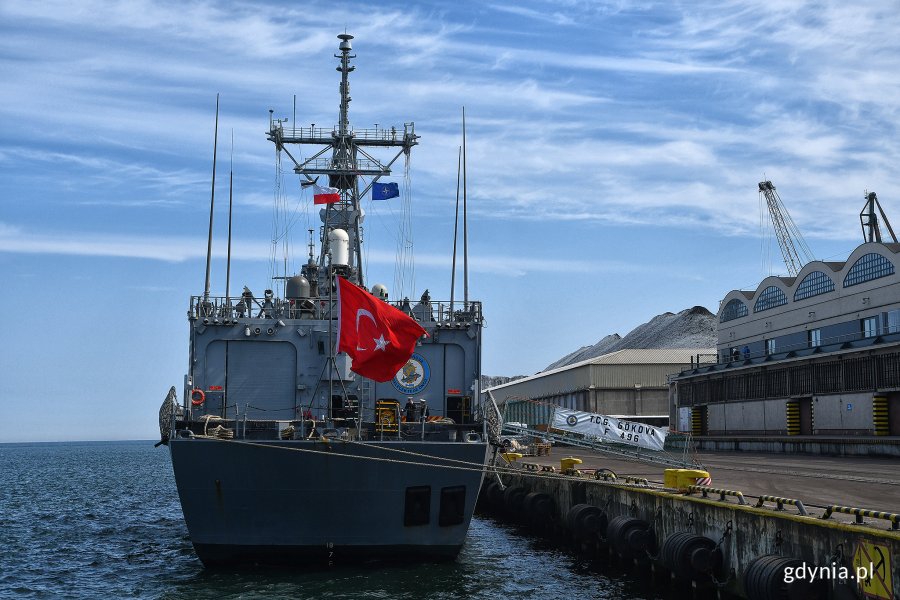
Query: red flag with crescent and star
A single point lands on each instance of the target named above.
(378, 337)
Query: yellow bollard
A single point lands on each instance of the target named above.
(568, 463)
(681, 479)
(670, 478)
(511, 456)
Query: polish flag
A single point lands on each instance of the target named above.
(326, 195)
(378, 337)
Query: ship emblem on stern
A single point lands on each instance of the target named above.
(414, 376)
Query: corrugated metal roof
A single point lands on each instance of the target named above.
(657, 356)
(630, 356)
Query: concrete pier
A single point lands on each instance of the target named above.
(872, 483)
(716, 544)
(814, 445)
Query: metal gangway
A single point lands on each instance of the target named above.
(682, 460)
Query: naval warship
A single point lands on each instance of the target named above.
(283, 453)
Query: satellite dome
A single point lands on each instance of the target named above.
(380, 291)
(297, 287)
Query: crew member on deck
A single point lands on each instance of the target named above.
(410, 411)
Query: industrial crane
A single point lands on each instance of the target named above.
(869, 220)
(789, 238)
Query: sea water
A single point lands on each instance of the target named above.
(102, 520)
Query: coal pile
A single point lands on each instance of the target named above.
(691, 328)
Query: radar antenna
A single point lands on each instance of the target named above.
(346, 158)
(868, 219)
(790, 240)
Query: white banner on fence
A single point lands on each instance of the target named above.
(609, 429)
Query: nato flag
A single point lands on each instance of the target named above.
(383, 191)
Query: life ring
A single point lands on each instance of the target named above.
(197, 397)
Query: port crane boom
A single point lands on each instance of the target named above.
(789, 237)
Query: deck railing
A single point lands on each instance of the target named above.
(221, 310)
(386, 136)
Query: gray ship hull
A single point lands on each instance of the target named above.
(309, 503)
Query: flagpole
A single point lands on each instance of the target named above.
(333, 368)
(330, 365)
(228, 314)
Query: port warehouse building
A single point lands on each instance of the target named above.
(815, 354)
(630, 383)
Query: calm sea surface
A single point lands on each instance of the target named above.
(102, 520)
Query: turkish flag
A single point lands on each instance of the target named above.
(378, 337)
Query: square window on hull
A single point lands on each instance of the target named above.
(417, 510)
(453, 506)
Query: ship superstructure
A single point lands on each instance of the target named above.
(281, 453)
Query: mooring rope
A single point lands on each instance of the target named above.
(467, 466)
(470, 467)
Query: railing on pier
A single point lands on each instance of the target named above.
(742, 356)
(703, 359)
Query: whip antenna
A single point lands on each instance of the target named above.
(230, 204)
(465, 221)
(212, 203)
(455, 232)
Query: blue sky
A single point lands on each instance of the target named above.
(614, 150)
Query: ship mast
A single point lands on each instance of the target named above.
(349, 159)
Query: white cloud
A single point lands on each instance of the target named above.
(16, 240)
(527, 92)
(674, 117)
(556, 18)
(110, 171)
